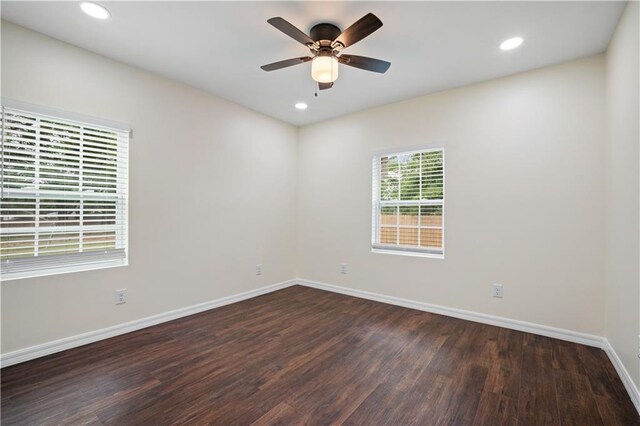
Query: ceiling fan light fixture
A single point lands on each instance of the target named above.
(324, 69)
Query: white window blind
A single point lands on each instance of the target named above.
(63, 204)
(408, 202)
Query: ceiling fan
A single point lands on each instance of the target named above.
(326, 42)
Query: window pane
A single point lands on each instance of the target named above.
(388, 235)
(432, 175)
(99, 212)
(431, 237)
(389, 215)
(408, 236)
(16, 246)
(17, 212)
(431, 216)
(93, 241)
(19, 152)
(57, 212)
(59, 154)
(389, 178)
(409, 172)
(52, 242)
(409, 215)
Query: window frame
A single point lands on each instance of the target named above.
(62, 263)
(377, 205)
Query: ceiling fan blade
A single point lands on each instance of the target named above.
(359, 30)
(324, 86)
(365, 63)
(290, 30)
(286, 63)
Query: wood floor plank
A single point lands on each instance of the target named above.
(505, 367)
(496, 409)
(566, 356)
(281, 414)
(305, 356)
(575, 399)
(499, 401)
(537, 396)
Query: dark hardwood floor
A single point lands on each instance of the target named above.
(301, 355)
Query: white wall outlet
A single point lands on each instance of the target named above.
(121, 296)
(496, 290)
(259, 269)
(343, 268)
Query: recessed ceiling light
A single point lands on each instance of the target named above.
(511, 43)
(94, 10)
(301, 106)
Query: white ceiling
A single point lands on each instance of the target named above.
(219, 46)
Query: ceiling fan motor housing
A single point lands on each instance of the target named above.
(324, 31)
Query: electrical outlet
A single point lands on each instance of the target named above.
(497, 291)
(638, 345)
(343, 268)
(121, 296)
(259, 269)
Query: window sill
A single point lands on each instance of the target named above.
(63, 270)
(407, 253)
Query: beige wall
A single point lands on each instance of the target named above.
(622, 188)
(212, 193)
(524, 197)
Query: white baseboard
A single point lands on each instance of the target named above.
(543, 330)
(37, 351)
(628, 382)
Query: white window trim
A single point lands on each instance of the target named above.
(375, 190)
(89, 121)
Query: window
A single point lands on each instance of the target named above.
(63, 200)
(408, 203)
